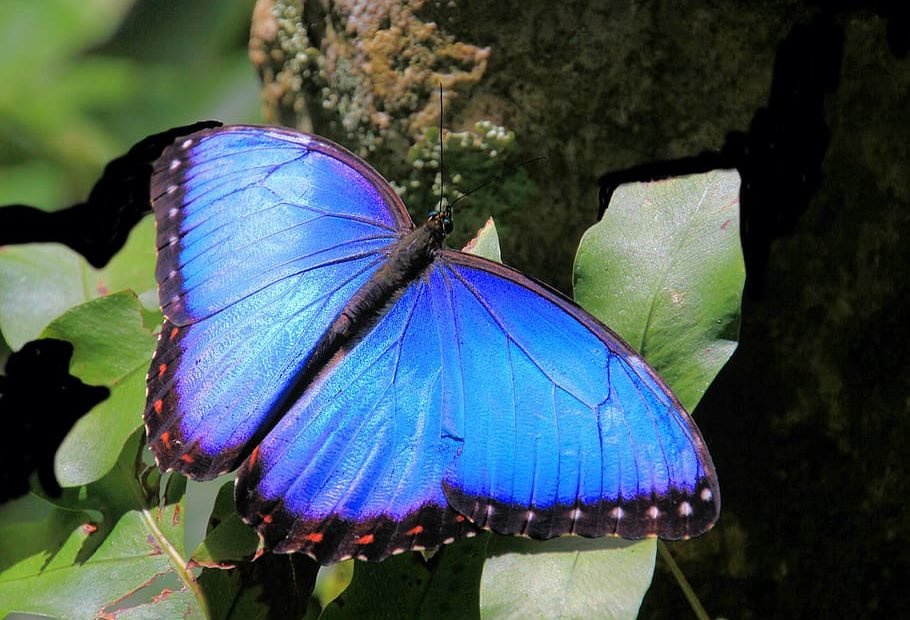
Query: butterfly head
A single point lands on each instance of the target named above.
(441, 221)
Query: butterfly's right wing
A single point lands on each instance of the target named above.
(263, 236)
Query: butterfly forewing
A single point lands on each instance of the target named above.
(355, 467)
(263, 237)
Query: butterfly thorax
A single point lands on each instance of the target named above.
(407, 259)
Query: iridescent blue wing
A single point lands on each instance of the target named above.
(563, 427)
(485, 395)
(355, 468)
(263, 236)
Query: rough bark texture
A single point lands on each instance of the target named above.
(809, 423)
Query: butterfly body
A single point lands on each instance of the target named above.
(378, 391)
(405, 261)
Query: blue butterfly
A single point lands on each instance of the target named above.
(378, 391)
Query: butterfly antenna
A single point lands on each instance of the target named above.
(442, 168)
(497, 178)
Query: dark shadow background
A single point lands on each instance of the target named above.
(808, 424)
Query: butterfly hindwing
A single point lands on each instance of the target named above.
(355, 467)
(565, 428)
(263, 236)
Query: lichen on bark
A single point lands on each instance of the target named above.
(365, 73)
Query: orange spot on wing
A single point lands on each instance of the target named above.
(315, 537)
(266, 519)
(174, 332)
(186, 457)
(366, 539)
(459, 518)
(414, 531)
(158, 406)
(254, 455)
(166, 439)
(162, 369)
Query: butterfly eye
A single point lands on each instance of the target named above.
(447, 224)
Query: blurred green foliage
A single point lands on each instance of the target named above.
(83, 80)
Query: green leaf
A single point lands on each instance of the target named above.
(40, 282)
(408, 586)
(131, 268)
(565, 578)
(332, 581)
(33, 531)
(664, 269)
(108, 339)
(229, 542)
(485, 243)
(62, 561)
(274, 586)
(111, 348)
(229, 539)
(48, 283)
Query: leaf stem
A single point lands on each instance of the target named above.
(181, 567)
(690, 595)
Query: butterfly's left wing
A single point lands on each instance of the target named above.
(264, 235)
(480, 397)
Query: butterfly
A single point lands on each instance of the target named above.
(378, 391)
